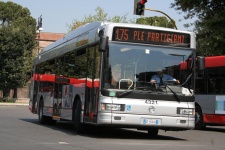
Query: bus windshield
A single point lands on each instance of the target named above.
(131, 66)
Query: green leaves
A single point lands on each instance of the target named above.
(156, 21)
(209, 25)
(17, 41)
(99, 16)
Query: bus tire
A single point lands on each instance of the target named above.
(198, 118)
(77, 116)
(41, 118)
(153, 132)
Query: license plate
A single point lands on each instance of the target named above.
(151, 121)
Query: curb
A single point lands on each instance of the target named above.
(19, 102)
(14, 104)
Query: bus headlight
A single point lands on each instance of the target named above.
(186, 111)
(114, 107)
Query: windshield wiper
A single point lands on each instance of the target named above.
(174, 93)
(124, 94)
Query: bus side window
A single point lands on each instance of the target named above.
(200, 86)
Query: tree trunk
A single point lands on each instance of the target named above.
(15, 93)
(6, 92)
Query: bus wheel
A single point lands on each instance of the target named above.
(198, 119)
(77, 116)
(153, 132)
(41, 118)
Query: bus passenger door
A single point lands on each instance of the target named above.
(57, 99)
(59, 81)
(35, 93)
(92, 88)
(34, 88)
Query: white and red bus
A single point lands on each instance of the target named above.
(210, 93)
(99, 74)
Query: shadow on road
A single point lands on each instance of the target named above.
(103, 132)
(220, 129)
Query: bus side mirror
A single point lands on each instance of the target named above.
(103, 43)
(201, 62)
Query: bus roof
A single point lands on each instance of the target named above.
(90, 26)
(72, 35)
(88, 34)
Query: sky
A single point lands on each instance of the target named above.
(58, 14)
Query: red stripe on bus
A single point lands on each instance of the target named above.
(215, 118)
(77, 81)
(44, 77)
(215, 61)
(88, 82)
(52, 78)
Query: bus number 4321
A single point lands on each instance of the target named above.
(147, 101)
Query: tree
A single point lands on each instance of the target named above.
(156, 21)
(17, 40)
(209, 25)
(102, 16)
(99, 16)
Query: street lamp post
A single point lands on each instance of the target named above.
(174, 24)
(39, 29)
(38, 41)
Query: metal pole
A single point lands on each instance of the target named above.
(174, 24)
(38, 41)
(39, 29)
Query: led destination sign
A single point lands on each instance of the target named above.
(149, 36)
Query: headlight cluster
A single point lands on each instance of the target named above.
(114, 107)
(186, 111)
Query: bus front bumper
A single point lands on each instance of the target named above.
(132, 120)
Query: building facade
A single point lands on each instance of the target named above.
(46, 38)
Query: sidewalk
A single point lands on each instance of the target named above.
(19, 102)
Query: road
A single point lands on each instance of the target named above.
(19, 129)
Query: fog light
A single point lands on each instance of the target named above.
(113, 107)
(185, 111)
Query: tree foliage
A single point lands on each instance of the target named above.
(17, 40)
(156, 21)
(102, 16)
(99, 16)
(209, 25)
